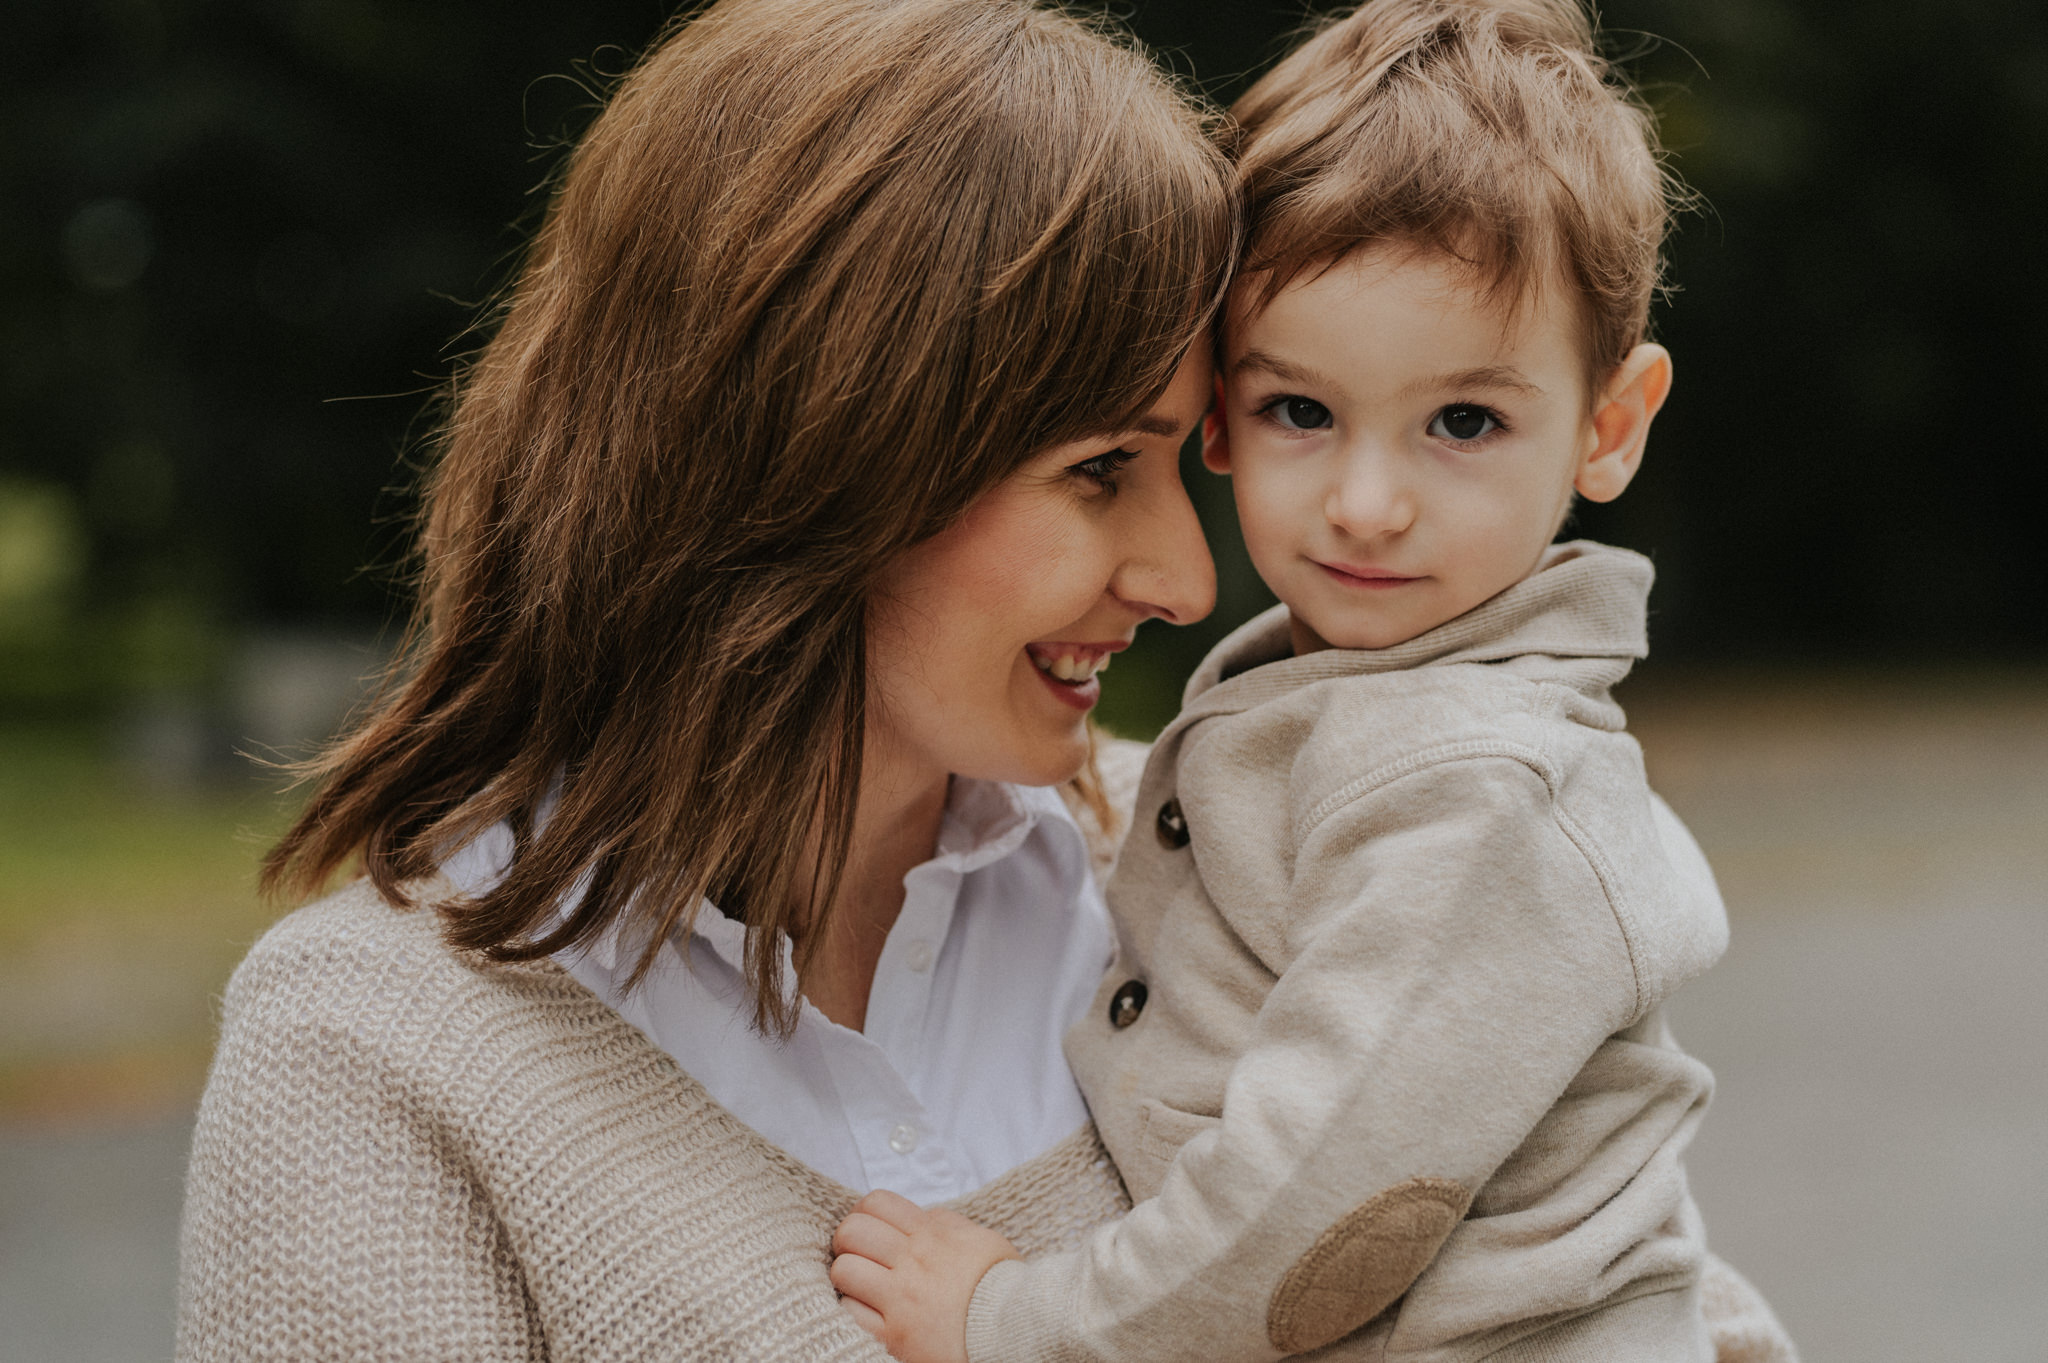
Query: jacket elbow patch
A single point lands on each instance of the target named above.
(1360, 1266)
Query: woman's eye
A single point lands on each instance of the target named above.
(1463, 421)
(1300, 414)
(1104, 467)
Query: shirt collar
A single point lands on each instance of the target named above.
(983, 822)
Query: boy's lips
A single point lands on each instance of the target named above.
(1365, 575)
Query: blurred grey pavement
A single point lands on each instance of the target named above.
(88, 1241)
(1874, 1158)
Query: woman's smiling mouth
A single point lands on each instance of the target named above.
(1070, 669)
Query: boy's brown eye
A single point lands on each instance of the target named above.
(1301, 414)
(1463, 422)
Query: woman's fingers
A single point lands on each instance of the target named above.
(892, 1208)
(871, 1238)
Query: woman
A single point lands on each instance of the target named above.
(826, 448)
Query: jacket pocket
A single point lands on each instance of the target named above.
(1162, 1132)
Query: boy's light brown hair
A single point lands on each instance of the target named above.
(1491, 131)
(821, 274)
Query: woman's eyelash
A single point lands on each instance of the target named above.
(1104, 467)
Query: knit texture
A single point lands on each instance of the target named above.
(405, 1154)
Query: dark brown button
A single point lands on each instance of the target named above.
(1127, 1003)
(1172, 826)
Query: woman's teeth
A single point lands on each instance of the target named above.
(1070, 667)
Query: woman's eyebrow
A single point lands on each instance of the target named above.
(1154, 424)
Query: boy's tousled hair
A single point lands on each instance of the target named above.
(821, 273)
(1490, 131)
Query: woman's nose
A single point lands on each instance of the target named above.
(1166, 569)
(1369, 499)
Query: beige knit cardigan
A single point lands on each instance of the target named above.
(404, 1153)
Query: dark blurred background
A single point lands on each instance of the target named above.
(241, 244)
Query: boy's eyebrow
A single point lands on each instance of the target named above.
(1495, 376)
(1284, 370)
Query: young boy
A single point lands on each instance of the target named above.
(1383, 1059)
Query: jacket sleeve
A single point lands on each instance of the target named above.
(1450, 962)
(1744, 1327)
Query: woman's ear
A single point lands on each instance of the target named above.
(1620, 425)
(1215, 432)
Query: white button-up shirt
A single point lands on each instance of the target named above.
(958, 1074)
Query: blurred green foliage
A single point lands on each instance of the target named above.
(61, 655)
(242, 239)
(80, 835)
(123, 907)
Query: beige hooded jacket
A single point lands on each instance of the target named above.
(1383, 1042)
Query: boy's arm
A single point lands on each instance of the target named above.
(1452, 963)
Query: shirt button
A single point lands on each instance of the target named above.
(903, 1138)
(1127, 1003)
(920, 956)
(1172, 826)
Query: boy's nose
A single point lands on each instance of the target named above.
(1369, 499)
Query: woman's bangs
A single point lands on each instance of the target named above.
(1129, 271)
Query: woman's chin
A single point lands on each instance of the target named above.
(1048, 757)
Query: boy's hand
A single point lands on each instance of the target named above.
(908, 1273)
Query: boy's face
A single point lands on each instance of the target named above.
(1400, 452)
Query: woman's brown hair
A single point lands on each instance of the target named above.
(821, 273)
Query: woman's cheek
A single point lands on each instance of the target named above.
(1049, 571)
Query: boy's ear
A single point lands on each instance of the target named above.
(1628, 402)
(1215, 432)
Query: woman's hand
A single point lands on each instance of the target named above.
(907, 1273)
